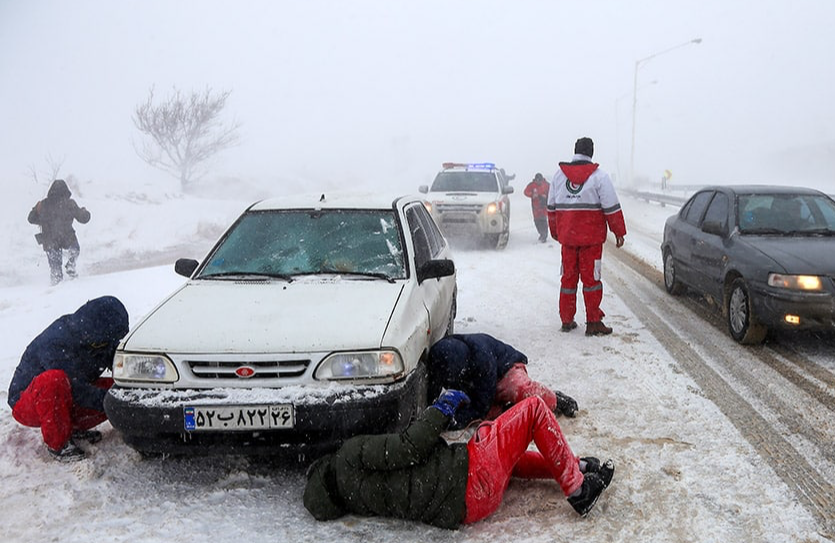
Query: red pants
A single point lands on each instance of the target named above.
(581, 263)
(47, 403)
(499, 450)
(515, 386)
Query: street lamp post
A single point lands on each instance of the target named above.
(618, 100)
(638, 64)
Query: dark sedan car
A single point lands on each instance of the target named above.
(766, 254)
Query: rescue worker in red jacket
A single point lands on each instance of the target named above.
(537, 191)
(582, 207)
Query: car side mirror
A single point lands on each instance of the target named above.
(507, 189)
(185, 266)
(713, 227)
(435, 269)
(423, 188)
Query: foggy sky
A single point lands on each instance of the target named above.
(345, 93)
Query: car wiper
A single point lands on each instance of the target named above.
(377, 275)
(244, 276)
(818, 232)
(760, 231)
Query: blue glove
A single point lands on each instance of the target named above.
(449, 401)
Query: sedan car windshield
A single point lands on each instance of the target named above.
(786, 214)
(301, 242)
(465, 182)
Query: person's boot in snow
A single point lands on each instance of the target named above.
(597, 329)
(568, 326)
(69, 453)
(590, 464)
(90, 436)
(566, 404)
(593, 486)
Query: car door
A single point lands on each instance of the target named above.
(429, 244)
(710, 247)
(685, 233)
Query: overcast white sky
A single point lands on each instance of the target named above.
(360, 92)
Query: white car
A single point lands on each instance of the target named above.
(471, 200)
(308, 322)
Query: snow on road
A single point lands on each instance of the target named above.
(684, 471)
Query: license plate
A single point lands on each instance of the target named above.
(243, 417)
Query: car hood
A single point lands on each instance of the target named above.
(242, 317)
(800, 254)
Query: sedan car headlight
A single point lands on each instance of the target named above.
(492, 208)
(795, 282)
(143, 367)
(386, 365)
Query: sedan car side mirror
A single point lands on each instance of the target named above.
(435, 269)
(423, 188)
(713, 227)
(185, 266)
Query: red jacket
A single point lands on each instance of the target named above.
(537, 191)
(583, 205)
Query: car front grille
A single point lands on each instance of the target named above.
(458, 208)
(271, 369)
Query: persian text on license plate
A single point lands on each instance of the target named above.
(243, 417)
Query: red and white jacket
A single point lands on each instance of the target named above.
(582, 203)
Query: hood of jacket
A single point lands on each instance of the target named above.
(579, 170)
(101, 320)
(58, 190)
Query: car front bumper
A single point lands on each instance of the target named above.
(816, 310)
(152, 420)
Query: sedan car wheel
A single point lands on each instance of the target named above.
(741, 319)
(672, 285)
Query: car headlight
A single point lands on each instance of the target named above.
(492, 208)
(143, 367)
(386, 365)
(795, 282)
(428, 206)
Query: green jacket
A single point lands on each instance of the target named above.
(412, 475)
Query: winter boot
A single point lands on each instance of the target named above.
(69, 453)
(566, 404)
(597, 329)
(583, 501)
(605, 471)
(90, 436)
(568, 326)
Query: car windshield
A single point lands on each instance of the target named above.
(801, 214)
(287, 243)
(465, 182)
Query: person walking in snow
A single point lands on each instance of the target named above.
(492, 373)
(537, 190)
(582, 207)
(58, 385)
(417, 475)
(55, 215)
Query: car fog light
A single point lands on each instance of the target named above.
(792, 319)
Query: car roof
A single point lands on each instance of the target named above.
(763, 189)
(335, 200)
(486, 167)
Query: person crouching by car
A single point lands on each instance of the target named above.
(58, 387)
(492, 373)
(417, 475)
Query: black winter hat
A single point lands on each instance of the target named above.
(584, 146)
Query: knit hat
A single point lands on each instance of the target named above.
(584, 146)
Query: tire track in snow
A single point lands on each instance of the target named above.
(811, 488)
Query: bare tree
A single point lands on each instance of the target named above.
(183, 132)
(53, 168)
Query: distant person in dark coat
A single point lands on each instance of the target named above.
(492, 373)
(537, 190)
(58, 385)
(417, 475)
(55, 215)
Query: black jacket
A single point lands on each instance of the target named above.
(413, 475)
(55, 214)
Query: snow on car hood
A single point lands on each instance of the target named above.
(799, 254)
(256, 317)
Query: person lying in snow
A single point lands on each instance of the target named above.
(491, 372)
(58, 385)
(416, 475)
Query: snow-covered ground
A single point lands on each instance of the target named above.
(684, 473)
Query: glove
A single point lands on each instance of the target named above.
(449, 401)
(566, 404)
